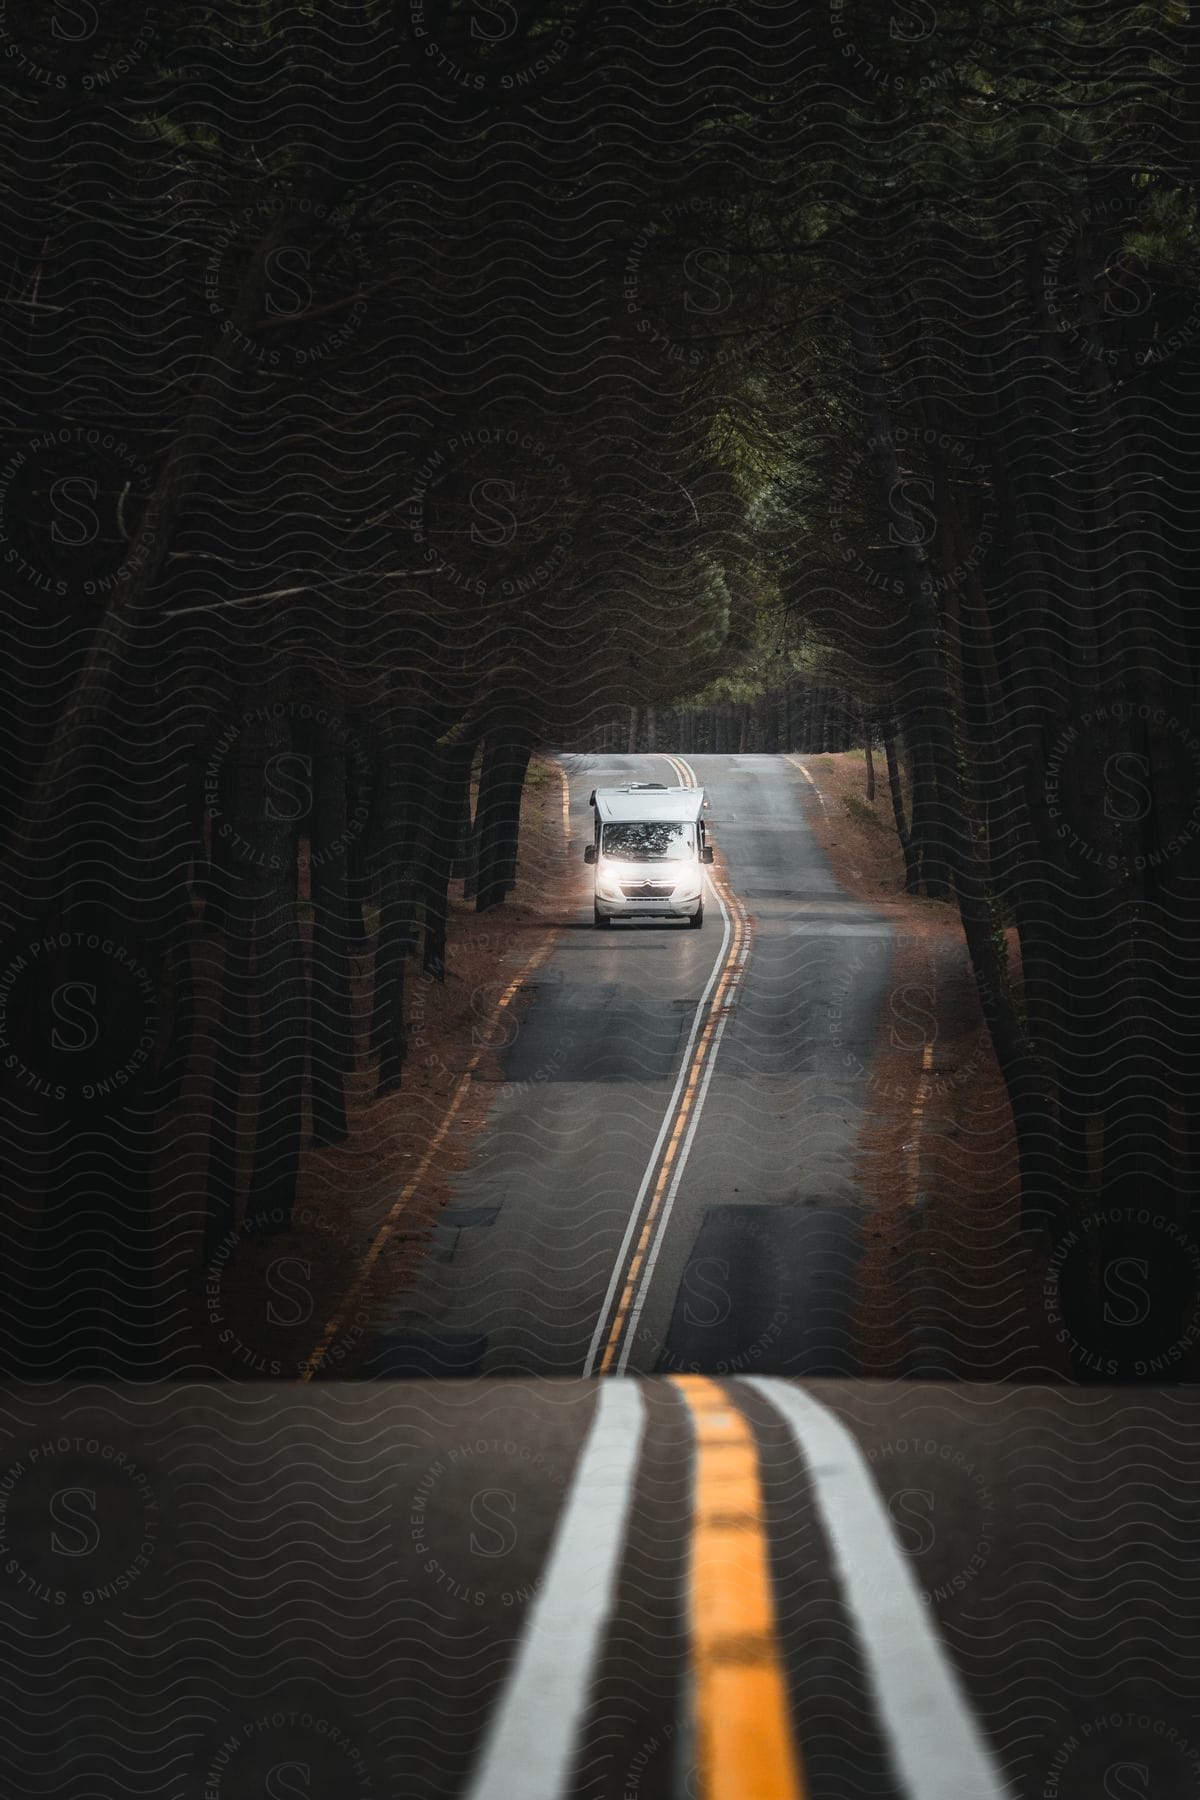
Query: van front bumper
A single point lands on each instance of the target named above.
(639, 908)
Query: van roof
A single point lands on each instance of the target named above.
(616, 805)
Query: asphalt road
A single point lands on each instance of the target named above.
(784, 1581)
(754, 1248)
(524, 1590)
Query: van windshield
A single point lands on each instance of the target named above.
(648, 840)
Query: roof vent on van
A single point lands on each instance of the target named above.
(640, 787)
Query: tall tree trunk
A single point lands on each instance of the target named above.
(280, 1048)
(242, 802)
(394, 938)
(912, 871)
(448, 859)
(951, 836)
(333, 827)
(498, 816)
(868, 733)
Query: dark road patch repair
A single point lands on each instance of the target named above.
(456, 1217)
(423, 1356)
(767, 1290)
(602, 1036)
(445, 1234)
(419, 1355)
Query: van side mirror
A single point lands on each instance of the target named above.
(706, 854)
(589, 854)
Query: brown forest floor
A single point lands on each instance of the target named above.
(261, 1306)
(945, 1285)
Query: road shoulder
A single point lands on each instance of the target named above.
(937, 1161)
(265, 1309)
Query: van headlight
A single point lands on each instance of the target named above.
(609, 888)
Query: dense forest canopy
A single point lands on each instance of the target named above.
(393, 390)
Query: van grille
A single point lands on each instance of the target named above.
(647, 890)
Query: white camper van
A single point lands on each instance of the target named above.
(649, 852)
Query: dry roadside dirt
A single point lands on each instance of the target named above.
(946, 1286)
(261, 1306)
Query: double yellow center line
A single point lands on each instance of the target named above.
(745, 1748)
(615, 1332)
(688, 1105)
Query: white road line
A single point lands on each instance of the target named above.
(660, 1232)
(937, 1749)
(595, 1348)
(668, 1205)
(531, 1738)
(797, 764)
